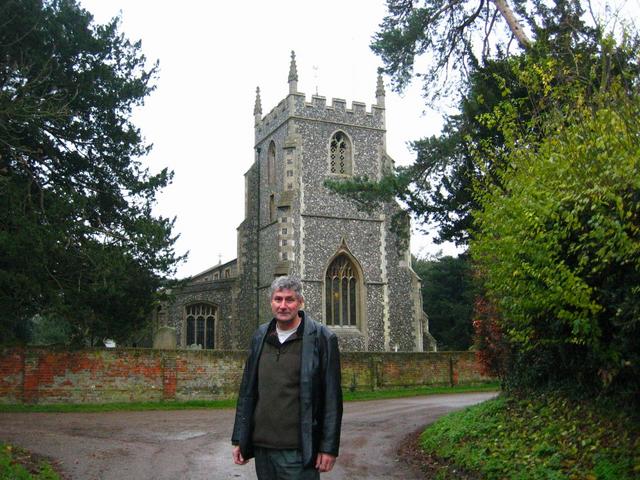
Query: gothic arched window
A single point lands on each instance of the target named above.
(200, 325)
(340, 154)
(341, 293)
(271, 163)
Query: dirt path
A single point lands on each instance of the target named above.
(194, 444)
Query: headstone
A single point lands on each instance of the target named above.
(165, 338)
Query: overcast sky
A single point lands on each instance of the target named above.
(200, 119)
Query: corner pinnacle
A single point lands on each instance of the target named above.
(380, 91)
(293, 74)
(257, 108)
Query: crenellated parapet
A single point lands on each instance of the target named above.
(297, 106)
(339, 112)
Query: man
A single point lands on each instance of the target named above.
(289, 409)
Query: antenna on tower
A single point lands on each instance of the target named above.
(315, 77)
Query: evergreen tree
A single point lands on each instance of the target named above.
(538, 171)
(77, 234)
(438, 188)
(447, 297)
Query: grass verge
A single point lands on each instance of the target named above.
(171, 405)
(117, 407)
(416, 392)
(547, 437)
(19, 464)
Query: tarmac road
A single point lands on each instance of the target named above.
(195, 445)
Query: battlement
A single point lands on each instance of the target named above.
(295, 105)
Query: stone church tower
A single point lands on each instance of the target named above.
(357, 277)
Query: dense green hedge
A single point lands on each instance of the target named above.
(558, 247)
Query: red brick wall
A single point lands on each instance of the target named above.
(11, 377)
(208, 375)
(368, 370)
(42, 375)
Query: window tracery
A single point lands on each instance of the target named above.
(341, 293)
(201, 325)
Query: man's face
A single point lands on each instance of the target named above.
(285, 305)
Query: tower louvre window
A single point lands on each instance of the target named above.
(271, 163)
(201, 325)
(341, 293)
(272, 207)
(340, 154)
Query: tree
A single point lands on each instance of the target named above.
(559, 247)
(77, 233)
(450, 32)
(438, 188)
(448, 296)
(48, 330)
(460, 36)
(539, 171)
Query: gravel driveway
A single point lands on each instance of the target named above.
(194, 444)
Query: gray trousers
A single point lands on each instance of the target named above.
(275, 464)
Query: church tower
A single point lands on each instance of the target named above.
(356, 274)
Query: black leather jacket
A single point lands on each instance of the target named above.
(320, 392)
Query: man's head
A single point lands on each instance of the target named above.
(286, 299)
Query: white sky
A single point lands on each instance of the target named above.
(200, 118)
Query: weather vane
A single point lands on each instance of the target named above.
(315, 77)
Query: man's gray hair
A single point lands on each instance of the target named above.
(287, 283)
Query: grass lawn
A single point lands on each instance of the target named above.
(546, 437)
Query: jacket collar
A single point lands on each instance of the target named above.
(303, 328)
(309, 325)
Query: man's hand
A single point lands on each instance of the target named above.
(238, 459)
(325, 462)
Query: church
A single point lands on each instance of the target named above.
(356, 271)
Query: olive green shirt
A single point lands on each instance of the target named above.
(277, 414)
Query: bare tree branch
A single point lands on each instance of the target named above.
(513, 23)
